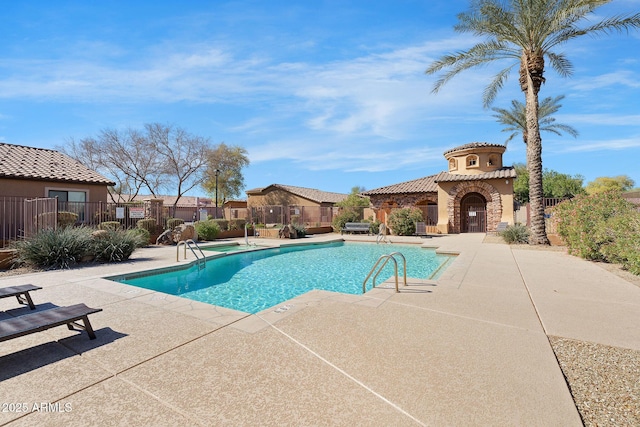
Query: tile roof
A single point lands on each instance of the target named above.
(420, 185)
(17, 161)
(429, 184)
(506, 172)
(312, 194)
(474, 145)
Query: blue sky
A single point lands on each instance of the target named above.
(322, 94)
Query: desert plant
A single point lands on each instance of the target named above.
(300, 230)
(56, 249)
(148, 224)
(207, 230)
(347, 215)
(237, 224)
(517, 233)
(403, 221)
(116, 247)
(66, 219)
(223, 224)
(109, 225)
(144, 237)
(582, 222)
(174, 222)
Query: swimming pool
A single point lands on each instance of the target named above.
(256, 280)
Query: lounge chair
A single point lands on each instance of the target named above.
(21, 293)
(43, 320)
(421, 229)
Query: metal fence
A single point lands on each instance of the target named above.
(308, 216)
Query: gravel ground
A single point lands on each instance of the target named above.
(604, 381)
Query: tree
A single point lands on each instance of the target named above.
(354, 199)
(603, 184)
(554, 184)
(525, 32)
(156, 158)
(124, 156)
(183, 156)
(228, 161)
(515, 119)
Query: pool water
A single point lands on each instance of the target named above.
(256, 280)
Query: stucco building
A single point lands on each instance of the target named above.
(475, 194)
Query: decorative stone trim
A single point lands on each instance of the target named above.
(488, 191)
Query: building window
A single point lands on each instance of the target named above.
(472, 161)
(71, 201)
(453, 165)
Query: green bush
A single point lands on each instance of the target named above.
(515, 234)
(109, 225)
(223, 224)
(300, 230)
(207, 230)
(174, 222)
(347, 215)
(66, 219)
(237, 224)
(601, 227)
(148, 224)
(403, 221)
(56, 249)
(143, 236)
(374, 227)
(623, 246)
(116, 247)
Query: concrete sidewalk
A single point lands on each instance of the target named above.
(468, 349)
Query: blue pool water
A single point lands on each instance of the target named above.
(256, 280)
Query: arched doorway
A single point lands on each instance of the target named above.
(473, 213)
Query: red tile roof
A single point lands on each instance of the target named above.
(429, 184)
(20, 162)
(312, 194)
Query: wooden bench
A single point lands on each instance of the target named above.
(21, 292)
(47, 319)
(356, 227)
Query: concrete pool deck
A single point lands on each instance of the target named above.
(468, 349)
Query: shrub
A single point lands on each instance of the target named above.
(581, 222)
(237, 224)
(403, 221)
(148, 224)
(116, 247)
(207, 230)
(174, 222)
(374, 227)
(300, 230)
(144, 237)
(55, 249)
(601, 227)
(223, 224)
(517, 233)
(347, 215)
(624, 242)
(109, 225)
(66, 219)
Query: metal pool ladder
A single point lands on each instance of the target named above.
(377, 268)
(190, 243)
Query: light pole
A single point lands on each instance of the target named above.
(217, 173)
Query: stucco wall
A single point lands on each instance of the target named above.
(498, 194)
(32, 189)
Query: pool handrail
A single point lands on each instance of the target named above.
(386, 259)
(187, 243)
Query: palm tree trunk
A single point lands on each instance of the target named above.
(534, 164)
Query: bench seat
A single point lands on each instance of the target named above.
(357, 227)
(47, 319)
(21, 292)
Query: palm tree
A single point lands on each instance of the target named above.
(515, 119)
(526, 32)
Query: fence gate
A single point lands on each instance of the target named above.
(40, 214)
